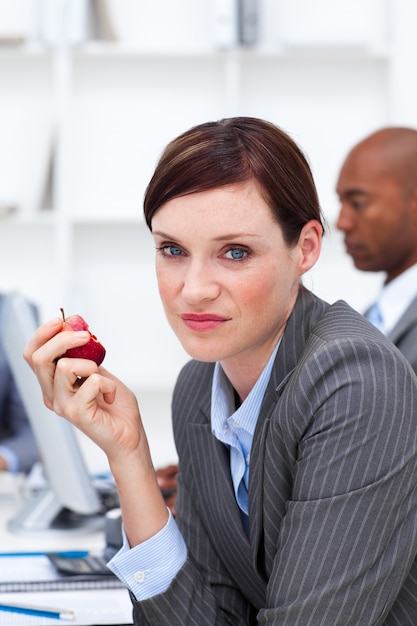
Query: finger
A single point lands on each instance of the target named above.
(43, 349)
(80, 378)
(56, 346)
(40, 337)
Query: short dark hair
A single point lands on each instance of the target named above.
(236, 150)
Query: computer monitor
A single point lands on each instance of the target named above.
(70, 500)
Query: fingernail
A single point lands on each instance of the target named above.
(81, 333)
(55, 322)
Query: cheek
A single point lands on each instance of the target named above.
(261, 291)
(166, 284)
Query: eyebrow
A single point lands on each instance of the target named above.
(225, 237)
(350, 193)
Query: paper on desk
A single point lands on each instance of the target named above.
(101, 606)
(26, 568)
(22, 573)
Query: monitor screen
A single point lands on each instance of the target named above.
(70, 500)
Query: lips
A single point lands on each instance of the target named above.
(203, 321)
(352, 248)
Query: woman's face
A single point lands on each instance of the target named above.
(227, 280)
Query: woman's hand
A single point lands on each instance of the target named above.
(102, 407)
(87, 395)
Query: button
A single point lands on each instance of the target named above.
(139, 577)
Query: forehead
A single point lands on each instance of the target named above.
(363, 171)
(239, 204)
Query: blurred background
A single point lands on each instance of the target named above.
(92, 90)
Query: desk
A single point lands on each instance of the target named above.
(43, 542)
(40, 542)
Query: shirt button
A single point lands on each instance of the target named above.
(139, 577)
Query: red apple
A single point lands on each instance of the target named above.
(92, 350)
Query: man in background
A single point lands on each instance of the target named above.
(18, 450)
(377, 187)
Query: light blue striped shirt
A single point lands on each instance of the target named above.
(149, 568)
(235, 427)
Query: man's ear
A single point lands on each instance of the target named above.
(309, 244)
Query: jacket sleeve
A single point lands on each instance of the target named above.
(202, 592)
(347, 540)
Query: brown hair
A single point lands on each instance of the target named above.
(236, 150)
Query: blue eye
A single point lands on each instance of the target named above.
(236, 253)
(171, 250)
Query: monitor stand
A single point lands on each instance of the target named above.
(43, 513)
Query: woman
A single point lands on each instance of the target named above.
(294, 421)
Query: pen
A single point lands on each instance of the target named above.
(66, 553)
(40, 611)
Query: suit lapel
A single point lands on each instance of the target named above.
(288, 356)
(216, 499)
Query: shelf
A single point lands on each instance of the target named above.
(109, 221)
(44, 218)
(8, 51)
(104, 50)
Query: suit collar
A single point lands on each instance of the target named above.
(406, 321)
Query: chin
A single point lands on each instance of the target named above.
(204, 353)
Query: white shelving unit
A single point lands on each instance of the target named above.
(109, 108)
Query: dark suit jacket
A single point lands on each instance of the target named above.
(404, 334)
(15, 430)
(332, 488)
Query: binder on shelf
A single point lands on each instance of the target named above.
(102, 22)
(40, 175)
(248, 21)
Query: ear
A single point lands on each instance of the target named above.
(309, 244)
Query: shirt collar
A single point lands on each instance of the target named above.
(223, 401)
(396, 297)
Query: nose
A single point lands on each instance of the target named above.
(344, 220)
(200, 283)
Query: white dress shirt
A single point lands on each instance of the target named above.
(395, 298)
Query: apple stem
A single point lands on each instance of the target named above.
(62, 313)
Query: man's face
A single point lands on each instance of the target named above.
(378, 217)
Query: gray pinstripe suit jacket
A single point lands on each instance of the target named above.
(332, 490)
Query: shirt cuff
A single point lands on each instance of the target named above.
(150, 567)
(11, 459)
